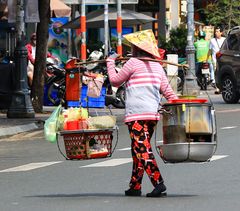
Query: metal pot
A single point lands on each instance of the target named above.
(189, 132)
(196, 118)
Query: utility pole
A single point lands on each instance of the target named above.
(106, 30)
(21, 105)
(162, 19)
(119, 27)
(190, 85)
(83, 31)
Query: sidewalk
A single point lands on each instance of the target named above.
(11, 126)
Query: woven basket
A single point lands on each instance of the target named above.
(77, 143)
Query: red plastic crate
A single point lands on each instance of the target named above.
(89, 102)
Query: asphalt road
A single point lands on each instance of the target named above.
(44, 180)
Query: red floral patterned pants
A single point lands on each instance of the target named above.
(143, 159)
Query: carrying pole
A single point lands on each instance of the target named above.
(127, 58)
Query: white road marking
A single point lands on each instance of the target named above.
(217, 157)
(120, 161)
(213, 158)
(124, 149)
(227, 128)
(228, 110)
(112, 162)
(30, 166)
(107, 163)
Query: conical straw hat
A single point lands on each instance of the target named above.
(144, 40)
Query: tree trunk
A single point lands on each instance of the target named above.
(37, 92)
(230, 15)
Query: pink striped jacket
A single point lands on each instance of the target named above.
(144, 82)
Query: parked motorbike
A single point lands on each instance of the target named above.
(204, 75)
(181, 74)
(55, 83)
(114, 95)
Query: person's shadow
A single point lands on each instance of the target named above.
(104, 195)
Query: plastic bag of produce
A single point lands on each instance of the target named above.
(51, 125)
(77, 113)
(100, 122)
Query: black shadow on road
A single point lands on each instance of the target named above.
(61, 195)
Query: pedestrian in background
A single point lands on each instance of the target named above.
(31, 49)
(145, 80)
(202, 49)
(214, 47)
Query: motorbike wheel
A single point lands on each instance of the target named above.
(180, 79)
(121, 94)
(118, 104)
(204, 83)
(55, 94)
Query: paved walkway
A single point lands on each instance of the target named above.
(12, 126)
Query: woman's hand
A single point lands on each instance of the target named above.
(113, 56)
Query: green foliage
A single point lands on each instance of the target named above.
(223, 13)
(177, 42)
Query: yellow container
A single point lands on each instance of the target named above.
(188, 97)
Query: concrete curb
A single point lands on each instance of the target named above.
(13, 130)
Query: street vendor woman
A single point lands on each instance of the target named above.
(145, 80)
